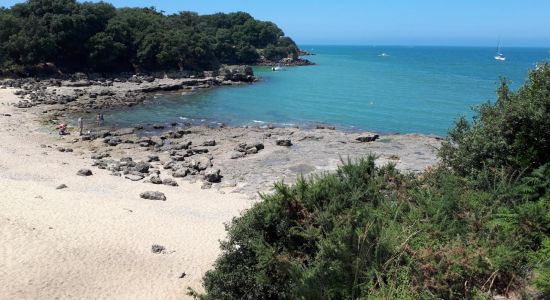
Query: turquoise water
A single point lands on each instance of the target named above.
(413, 89)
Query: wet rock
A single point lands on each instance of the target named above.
(84, 172)
(326, 127)
(170, 182)
(212, 175)
(151, 195)
(367, 139)
(284, 142)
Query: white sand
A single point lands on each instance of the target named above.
(93, 239)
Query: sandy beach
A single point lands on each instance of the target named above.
(93, 239)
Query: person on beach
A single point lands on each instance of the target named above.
(80, 124)
(61, 127)
(100, 119)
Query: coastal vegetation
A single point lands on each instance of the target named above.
(70, 36)
(476, 225)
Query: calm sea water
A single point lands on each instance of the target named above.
(411, 90)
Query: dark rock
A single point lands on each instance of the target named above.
(155, 180)
(100, 155)
(61, 186)
(142, 167)
(150, 195)
(151, 158)
(159, 126)
(325, 127)
(84, 172)
(366, 139)
(170, 182)
(284, 142)
(60, 149)
(158, 249)
(213, 175)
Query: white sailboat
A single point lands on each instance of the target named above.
(499, 56)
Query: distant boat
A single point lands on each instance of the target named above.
(499, 56)
(383, 55)
(277, 68)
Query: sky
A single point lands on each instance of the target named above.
(385, 22)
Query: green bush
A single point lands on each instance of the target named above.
(475, 226)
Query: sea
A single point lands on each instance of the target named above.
(385, 89)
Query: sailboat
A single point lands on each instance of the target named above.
(499, 56)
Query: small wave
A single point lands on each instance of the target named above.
(183, 118)
(257, 121)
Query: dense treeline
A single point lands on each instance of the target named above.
(73, 36)
(475, 226)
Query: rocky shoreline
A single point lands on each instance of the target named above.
(88, 93)
(247, 160)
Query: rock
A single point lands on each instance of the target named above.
(325, 127)
(236, 154)
(155, 180)
(142, 167)
(284, 142)
(180, 173)
(158, 126)
(60, 149)
(206, 185)
(366, 139)
(170, 182)
(252, 150)
(212, 175)
(100, 155)
(209, 143)
(150, 195)
(61, 186)
(151, 158)
(158, 249)
(68, 150)
(84, 172)
(134, 177)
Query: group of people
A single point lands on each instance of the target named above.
(100, 119)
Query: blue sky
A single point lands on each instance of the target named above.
(390, 22)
